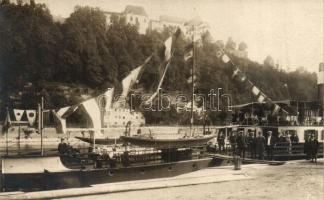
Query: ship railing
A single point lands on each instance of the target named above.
(287, 149)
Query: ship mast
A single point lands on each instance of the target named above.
(192, 81)
(41, 122)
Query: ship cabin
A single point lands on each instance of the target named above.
(301, 118)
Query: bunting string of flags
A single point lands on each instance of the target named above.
(241, 77)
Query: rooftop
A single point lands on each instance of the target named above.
(136, 10)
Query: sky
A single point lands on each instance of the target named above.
(291, 31)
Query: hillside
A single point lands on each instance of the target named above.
(40, 57)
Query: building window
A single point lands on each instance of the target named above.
(322, 135)
(131, 18)
(124, 117)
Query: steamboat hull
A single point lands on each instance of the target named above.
(72, 178)
(105, 141)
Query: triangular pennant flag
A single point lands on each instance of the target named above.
(190, 79)
(225, 58)
(255, 90)
(18, 114)
(242, 78)
(61, 127)
(132, 78)
(31, 116)
(67, 111)
(219, 54)
(168, 45)
(275, 109)
(92, 108)
(188, 55)
(109, 94)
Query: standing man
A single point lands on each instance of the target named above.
(241, 144)
(270, 143)
(260, 140)
(252, 144)
(233, 142)
(221, 142)
(314, 148)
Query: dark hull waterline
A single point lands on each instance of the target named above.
(83, 178)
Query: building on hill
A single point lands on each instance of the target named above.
(136, 15)
(119, 117)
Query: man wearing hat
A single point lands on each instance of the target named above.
(270, 143)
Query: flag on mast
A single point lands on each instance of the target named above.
(225, 58)
(132, 78)
(61, 128)
(168, 51)
(188, 55)
(7, 123)
(255, 90)
(92, 108)
(168, 45)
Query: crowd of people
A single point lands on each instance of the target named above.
(258, 146)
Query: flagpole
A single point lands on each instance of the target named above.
(192, 81)
(7, 128)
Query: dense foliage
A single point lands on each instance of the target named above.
(83, 51)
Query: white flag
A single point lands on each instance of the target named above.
(61, 128)
(225, 58)
(219, 54)
(261, 98)
(109, 94)
(236, 72)
(18, 114)
(31, 116)
(188, 55)
(255, 90)
(92, 108)
(276, 109)
(130, 80)
(168, 44)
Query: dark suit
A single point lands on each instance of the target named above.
(260, 146)
(270, 146)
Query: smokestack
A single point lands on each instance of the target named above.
(320, 85)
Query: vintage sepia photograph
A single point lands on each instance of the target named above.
(162, 99)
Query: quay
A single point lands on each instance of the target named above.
(295, 179)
